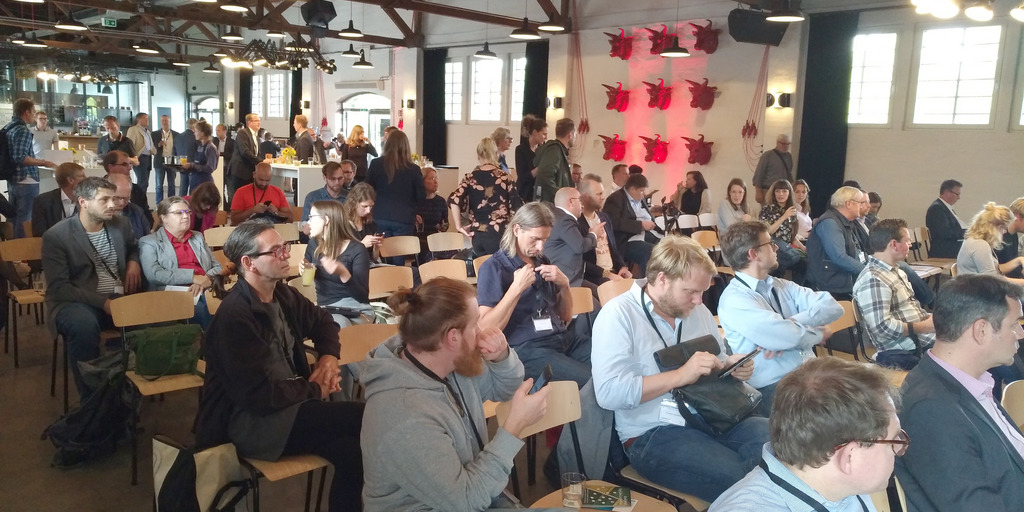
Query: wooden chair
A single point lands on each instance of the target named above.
(212, 303)
(726, 270)
(286, 467)
(358, 340)
(221, 257)
(27, 227)
(447, 241)
(221, 219)
(308, 292)
(215, 237)
(676, 498)
(295, 256)
(20, 249)
(709, 241)
(612, 289)
(296, 213)
(386, 280)
(150, 308)
(455, 269)
(395, 246)
(582, 300)
(924, 238)
(890, 499)
(708, 220)
(847, 321)
(1013, 401)
(478, 262)
(289, 232)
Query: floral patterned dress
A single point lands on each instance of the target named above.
(489, 198)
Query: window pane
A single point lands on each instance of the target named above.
(871, 78)
(956, 75)
(453, 91)
(518, 87)
(485, 104)
(257, 95)
(276, 95)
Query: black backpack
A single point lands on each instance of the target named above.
(7, 166)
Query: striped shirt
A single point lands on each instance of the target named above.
(104, 257)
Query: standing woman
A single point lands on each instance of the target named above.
(503, 139)
(175, 255)
(535, 131)
(205, 162)
(359, 214)
(342, 275)
(803, 209)
(779, 212)
(489, 196)
(984, 237)
(204, 203)
(355, 148)
(399, 185)
(734, 208)
(692, 196)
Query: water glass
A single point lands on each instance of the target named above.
(572, 489)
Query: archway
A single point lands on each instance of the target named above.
(371, 111)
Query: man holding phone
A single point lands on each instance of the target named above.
(760, 311)
(260, 199)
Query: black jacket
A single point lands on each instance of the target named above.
(47, 210)
(623, 218)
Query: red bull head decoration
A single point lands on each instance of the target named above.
(661, 96)
(660, 39)
(622, 45)
(617, 98)
(614, 148)
(703, 95)
(657, 149)
(707, 37)
(700, 151)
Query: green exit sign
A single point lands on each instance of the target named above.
(109, 22)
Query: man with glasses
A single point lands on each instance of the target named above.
(760, 311)
(89, 259)
(944, 226)
(43, 137)
(114, 140)
(968, 452)
(837, 248)
(118, 162)
(834, 439)
(338, 180)
(773, 166)
(243, 161)
(567, 243)
(140, 220)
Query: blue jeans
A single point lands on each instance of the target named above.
(690, 461)
(639, 253)
(922, 292)
(171, 175)
(143, 170)
(767, 394)
(202, 316)
(392, 228)
(183, 188)
(22, 197)
(898, 359)
(567, 352)
(80, 325)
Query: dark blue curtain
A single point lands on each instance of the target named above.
(435, 128)
(296, 102)
(244, 103)
(535, 85)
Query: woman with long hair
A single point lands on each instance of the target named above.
(692, 196)
(803, 209)
(342, 267)
(355, 148)
(734, 208)
(779, 212)
(535, 132)
(489, 197)
(200, 170)
(399, 186)
(359, 214)
(204, 202)
(982, 239)
(502, 138)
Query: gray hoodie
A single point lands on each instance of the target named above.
(419, 453)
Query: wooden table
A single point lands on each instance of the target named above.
(644, 503)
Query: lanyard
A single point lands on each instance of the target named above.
(459, 399)
(679, 332)
(802, 496)
(100, 256)
(264, 194)
(774, 294)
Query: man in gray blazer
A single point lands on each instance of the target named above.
(566, 245)
(967, 453)
(89, 259)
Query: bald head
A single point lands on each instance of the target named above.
(123, 184)
(569, 198)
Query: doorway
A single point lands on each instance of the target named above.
(371, 111)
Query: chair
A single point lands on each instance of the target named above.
(478, 262)
(358, 340)
(455, 269)
(726, 270)
(395, 246)
(708, 220)
(212, 303)
(386, 280)
(953, 270)
(150, 308)
(286, 467)
(612, 289)
(446, 241)
(221, 219)
(688, 222)
(582, 300)
(215, 237)
(221, 257)
(20, 249)
(1013, 401)
(296, 213)
(308, 292)
(709, 241)
(295, 256)
(673, 496)
(27, 227)
(924, 238)
(890, 499)
(289, 232)
(847, 321)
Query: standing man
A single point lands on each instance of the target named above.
(23, 187)
(773, 166)
(566, 245)
(760, 311)
(114, 140)
(338, 178)
(835, 437)
(603, 262)
(969, 453)
(577, 174)
(524, 295)
(260, 198)
(632, 221)
(225, 144)
(164, 139)
(60, 203)
(89, 260)
(142, 140)
(244, 159)
(944, 226)
(44, 137)
(303, 139)
(666, 309)
(894, 320)
(185, 146)
(836, 251)
(552, 162)
(620, 173)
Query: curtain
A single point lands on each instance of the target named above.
(295, 107)
(244, 103)
(435, 128)
(535, 94)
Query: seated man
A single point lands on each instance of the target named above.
(566, 245)
(338, 178)
(664, 309)
(528, 298)
(890, 314)
(117, 162)
(423, 387)
(89, 259)
(140, 220)
(58, 204)
(259, 392)
(260, 199)
(632, 221)
(944, 226)
(969, 454)
(834, 440)
(758, 310)
(837, 246)
(603, 262)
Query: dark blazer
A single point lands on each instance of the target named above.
(566, 245)
(947, 235)
(47, 210)
(269, 146)
(623, 218)
(229, 148)
(246, 156)
(304, 146)
(185, 144)
(592, 272)
(158, 135)
(960, 459)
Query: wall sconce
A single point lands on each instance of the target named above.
(305, 103)
(779, 99)
(231, 105)
(409, 104)
(555, 102)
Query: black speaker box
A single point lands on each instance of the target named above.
(750, 26)
(318, 13)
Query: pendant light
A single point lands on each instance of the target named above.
(785, 14)
(18, 38)
(351, 53)
(362, 63)
(276, 34)
(486, 53)
(350, 31)
(70, 24)
(551, 26)
(232, 35)
(107, 89)
(33, 42)
(234, 6)
(211, 69)
(675, 51)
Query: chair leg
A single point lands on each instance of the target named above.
(14, 319)
(515, 482)
(531, 460)
(135, 448)
(64, 346)
(309, 490)
(255, 475)
(320, 489)
(53, 369)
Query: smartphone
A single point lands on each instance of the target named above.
(542, 380)
(728, 371)
(267, 203)
(381, 234)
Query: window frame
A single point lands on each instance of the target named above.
(463, 111)
(259, 91)
(512, 57)
(893, 79)
(263, 76)
(503, 106)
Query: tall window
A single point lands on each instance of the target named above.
(276, 95)
(518, 87)
(871, 79)
(453, 91)
(957, 75)
(485, 97)
(257, 95)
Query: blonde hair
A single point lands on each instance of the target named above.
(487, 151)
(985, 225)
(530, 216)
(843, 195)
(500, 134)
(355, 137)
(676, 256)
(1017, 207)
(303, 120)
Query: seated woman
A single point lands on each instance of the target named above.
(985, 236)
(803, 209)
(779, 213)
(734, 208)
(488, 196)
(359, 214)
(174, 255)
(204, 203)
(342, 266)
(431, 214)
(692, 196)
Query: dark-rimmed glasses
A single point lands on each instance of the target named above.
(280, 252)
(899, 445)
(769, 242)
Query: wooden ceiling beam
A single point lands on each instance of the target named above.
(399, 22)
(449, 11)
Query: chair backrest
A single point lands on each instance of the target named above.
(297, 254)
(612, 289)
(221, 219)
(289, 232)
(308, 292)
(478, 262)
(455, 269)
(726, 270)
(21, 249)
(953, 270)
(1013, 401)
(387, 279)
(847, 320)
(707, 220)
(296, 213)
(151, 307)
(563, 407)
(707, 239)
(925, 238)
(221, 257)
(447, 241)
(688, 222)
(399, 246)
(212, 303)
(27, 226)
(215, 237)
(358, 340)
(582, 300)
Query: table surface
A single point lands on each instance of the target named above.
(644, 503)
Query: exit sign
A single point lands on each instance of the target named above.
(109, 22)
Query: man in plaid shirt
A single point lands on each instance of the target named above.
(891, 315)
(24, 186)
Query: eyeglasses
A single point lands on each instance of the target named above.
(316, 215)
(183, 213)
(899, 445)
(774, 245)
(280, 252)
(122, 163)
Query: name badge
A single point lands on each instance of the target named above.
(542, 323)
(119, 289)
(669, 413)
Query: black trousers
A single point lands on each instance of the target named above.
(331, 430)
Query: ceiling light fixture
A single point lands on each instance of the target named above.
(70, 24)
(181, 63)
(486, 53)
(211, 69)
(1017, 13)
(525, 32)
(234, 6)
(30, 1)
(206, 1)
(18, 38)
(350, 31)
(979, 11)
(231, 35)
(362, 63)
(85, 77)
(785, 14)
(945, 9)
(149, 48)
(675, 51)
(351, 53)
(220, 52)
(33, 42)
(107, 90)
(277, 34)
(551, 26)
